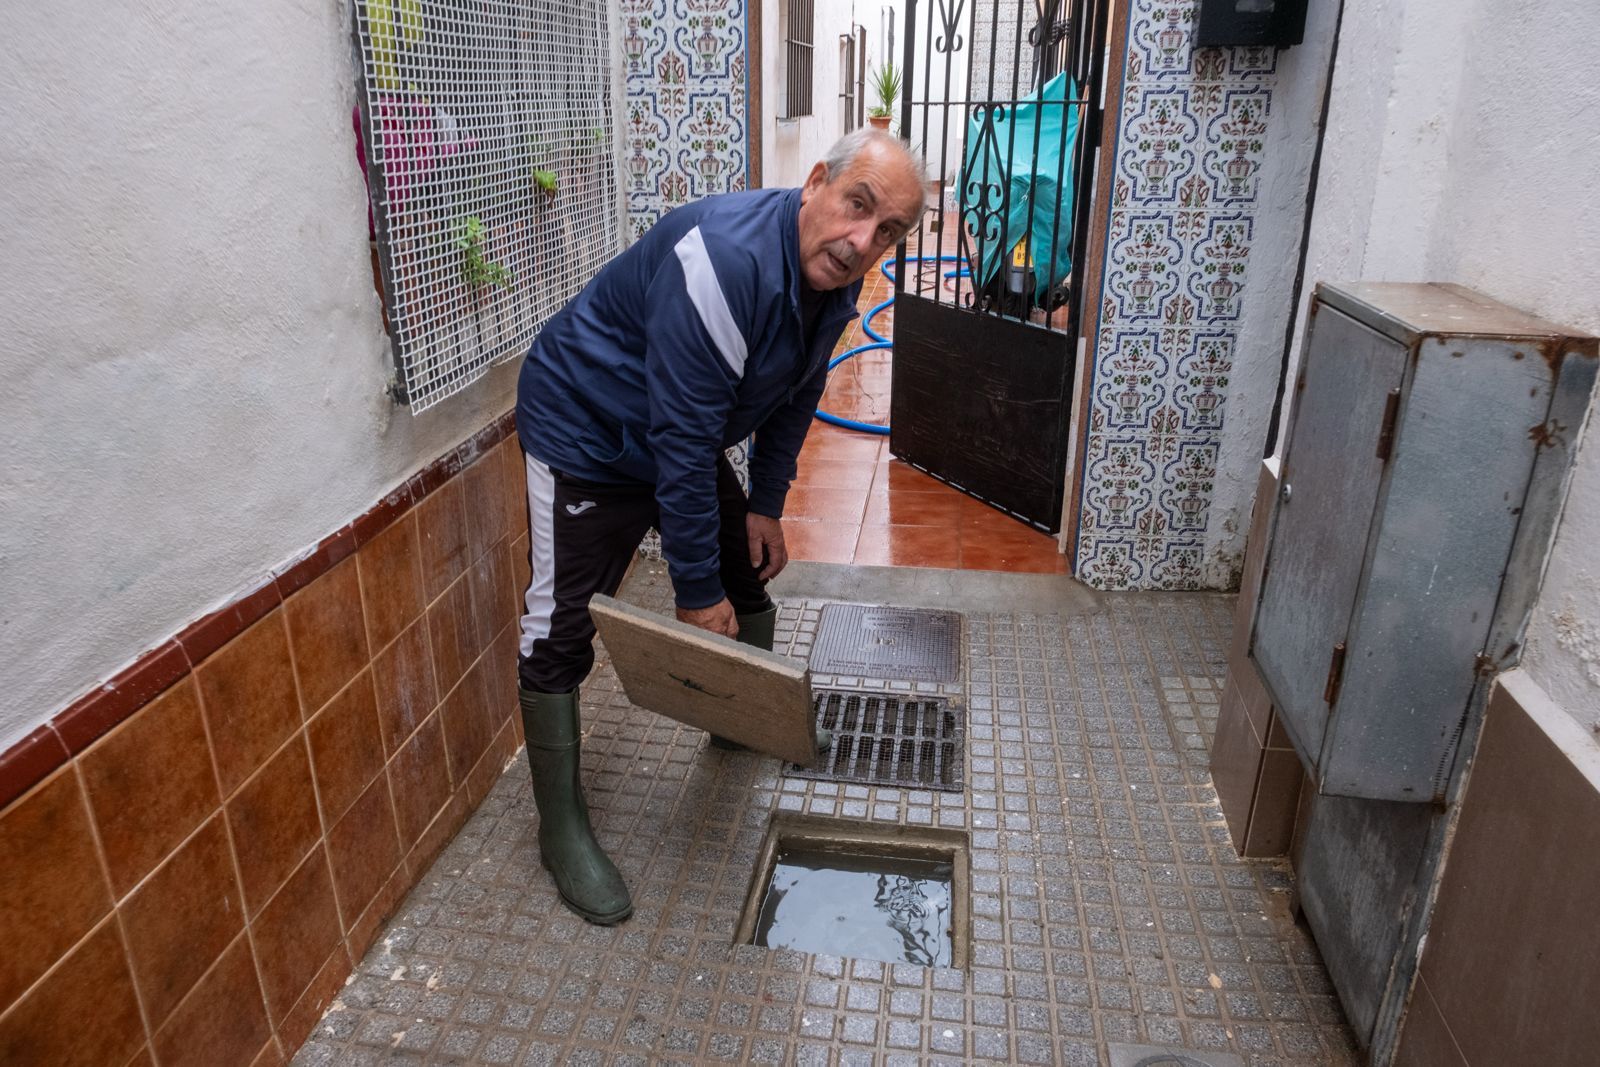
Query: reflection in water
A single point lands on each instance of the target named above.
(878, 907)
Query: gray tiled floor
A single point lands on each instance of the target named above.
(1108, 904)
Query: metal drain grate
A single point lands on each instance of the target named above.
(877, 642)
(886, 740)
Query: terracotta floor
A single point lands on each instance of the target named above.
(855, 503)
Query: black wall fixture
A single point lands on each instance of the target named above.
(1279, 23)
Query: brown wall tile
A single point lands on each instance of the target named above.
(437, 835)
(53, 887)
(442, 528)
(490, 766)
(1235, 761)
(346, 747)
(27, 763)
(419, 779)
(178, 922)
(516, 476)
(402, 677)
(248, 692)
(294, 934)
(319, 993)
(273, 817)
(1277, 799)
(484, 499)
(1425, 1040)
(48, 1025)
(337, 546)
(150, 783)
(491, 601)
(109, 704)
(501, 680)
(269, 1056)
(468, 723)
(328, 635)
(223, 1021)
(391, 581)
(364, 849)
(1511, 951)
(452, 632)
(521, 573)
(203, 637)
(364, 931)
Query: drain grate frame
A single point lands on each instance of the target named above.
(889, 739)
(872, 641)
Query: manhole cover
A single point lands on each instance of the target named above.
(879, 739)
(1168, 1056)
(877, 642)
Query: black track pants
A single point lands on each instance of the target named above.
(582, 536)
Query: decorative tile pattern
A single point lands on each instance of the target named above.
(686, 125)
(1190, 147)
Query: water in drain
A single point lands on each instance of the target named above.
(895, 909)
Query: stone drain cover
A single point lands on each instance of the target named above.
(1168, 1056)
(877, 642)
(878, 739)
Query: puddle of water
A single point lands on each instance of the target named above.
(868, 907)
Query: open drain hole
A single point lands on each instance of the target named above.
(861, 890)
(879, 739)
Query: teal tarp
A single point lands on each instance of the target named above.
(1033, 171)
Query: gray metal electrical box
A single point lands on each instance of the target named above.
(1427, 458)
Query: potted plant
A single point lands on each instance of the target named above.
(886, 84)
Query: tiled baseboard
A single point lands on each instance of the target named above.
(197, 851)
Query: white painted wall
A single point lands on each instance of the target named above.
(1463, 147)
(790, 147)
(1291, 142)
(193, 356)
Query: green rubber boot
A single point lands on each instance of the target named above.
(588, 881)
(756, 630)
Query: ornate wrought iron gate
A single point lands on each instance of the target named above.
(1003, 99)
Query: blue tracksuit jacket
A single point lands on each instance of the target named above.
(680, 347)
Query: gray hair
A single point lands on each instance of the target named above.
(847, 148)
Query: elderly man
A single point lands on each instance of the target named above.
(714, 325)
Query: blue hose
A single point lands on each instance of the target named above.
(880, 341)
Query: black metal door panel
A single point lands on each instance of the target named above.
(981, 401)
(989, 296)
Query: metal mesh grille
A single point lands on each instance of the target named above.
(487, 128)
(885, 740)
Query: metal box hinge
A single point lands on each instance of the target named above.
(1391, 412)
(1330, 692)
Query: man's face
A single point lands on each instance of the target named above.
(848, 223)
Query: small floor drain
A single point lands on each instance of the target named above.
(915, 743)
(877, 642)
(1168, 1056)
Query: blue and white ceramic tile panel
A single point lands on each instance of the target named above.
(1190, 136)
(684, 118)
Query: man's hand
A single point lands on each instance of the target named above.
(766, 533)
(718, 618)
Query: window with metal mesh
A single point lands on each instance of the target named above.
(798, 31)
(487, 134)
